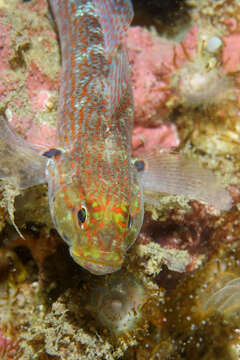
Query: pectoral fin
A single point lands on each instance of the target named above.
(175, 174)
(20, 163)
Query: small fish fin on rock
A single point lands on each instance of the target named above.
(20, 163)
(173, 173)
(9, 193)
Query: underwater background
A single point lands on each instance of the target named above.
(177, 295)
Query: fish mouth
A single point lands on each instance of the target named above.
(97, 267)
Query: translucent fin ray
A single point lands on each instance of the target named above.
(20, 163)
(175, 174)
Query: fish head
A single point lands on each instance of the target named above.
(99, 226)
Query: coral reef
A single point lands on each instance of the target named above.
(29, 86)
(8, 348)
(177, 295)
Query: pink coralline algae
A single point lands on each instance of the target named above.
(8, 348)
(38, 6)
(4, 46)
(154, 61)
(29, 81)
(147, 140)
(38, 84)
(231, 53)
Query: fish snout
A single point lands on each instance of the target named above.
(98, 262)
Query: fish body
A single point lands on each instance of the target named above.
(94, 174)
(96, 194)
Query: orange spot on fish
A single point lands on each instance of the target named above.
(101, 224)
(74, 9)
(118, 210)
(80, 251)
(93, 221)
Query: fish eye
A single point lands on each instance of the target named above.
(82, 214)
(129, 221)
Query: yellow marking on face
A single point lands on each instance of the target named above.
(105, 236)
(94, 204)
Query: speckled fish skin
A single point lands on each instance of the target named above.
(94, 169)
